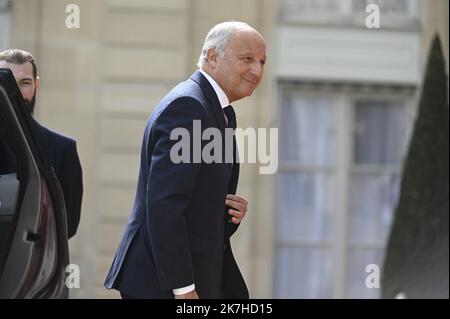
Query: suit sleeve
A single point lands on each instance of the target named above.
(72, 186)
(169, 190)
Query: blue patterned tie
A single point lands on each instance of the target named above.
(232, 184)
(231, 123)
(231, 116)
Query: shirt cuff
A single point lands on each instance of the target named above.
(184, 290)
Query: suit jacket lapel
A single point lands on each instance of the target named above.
(208, 91)
(215, 106)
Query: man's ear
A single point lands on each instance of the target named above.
(211, 55)
(37, 82)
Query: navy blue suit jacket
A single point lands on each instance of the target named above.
(61, 154)
(179, 232)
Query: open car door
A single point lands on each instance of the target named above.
(33, 231)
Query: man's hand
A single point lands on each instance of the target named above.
(190, 295)
(238, 208)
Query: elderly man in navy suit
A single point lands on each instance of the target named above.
(59, 151)
(177, 240)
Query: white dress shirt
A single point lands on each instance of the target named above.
(223, 98)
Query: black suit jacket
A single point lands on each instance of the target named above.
(178, 231)
(61, 154)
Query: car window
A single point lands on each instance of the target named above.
(7, 156)
(9, 185)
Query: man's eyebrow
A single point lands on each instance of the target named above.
(246, 53)
(28, 78)
(249, 53)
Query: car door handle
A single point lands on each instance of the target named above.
(33, 236)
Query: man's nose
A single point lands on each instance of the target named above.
(257, 70)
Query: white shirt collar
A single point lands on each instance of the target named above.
(223, 98)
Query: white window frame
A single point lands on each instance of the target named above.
(344, 168)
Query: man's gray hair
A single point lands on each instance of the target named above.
(217, 39)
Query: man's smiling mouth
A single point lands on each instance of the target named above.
(252, 82)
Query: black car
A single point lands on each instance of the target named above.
(33, 231)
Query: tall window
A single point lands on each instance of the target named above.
(338, 183)
(5, 24)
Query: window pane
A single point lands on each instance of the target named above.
(5, 24)
(306, 205)
(356, 274)
(372, 201)
(304, 273)
(308, 130)
(9, 185)
(8, 163)
(380, 133)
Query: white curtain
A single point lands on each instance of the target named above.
(304, 273)
(380, 132)
(308, 130)
(306, 206)
(372, 200)
(306, 199)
